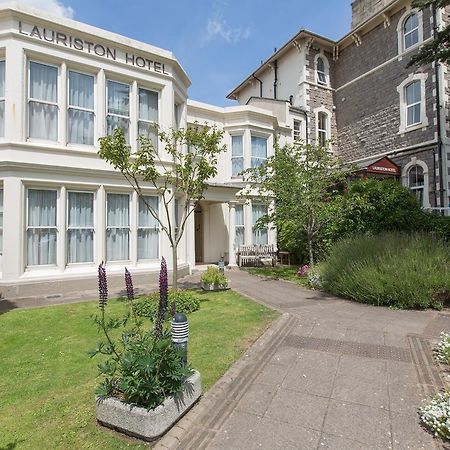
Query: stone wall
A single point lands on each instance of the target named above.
(366, 98)
(364, 9)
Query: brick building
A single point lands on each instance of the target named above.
(359, 91)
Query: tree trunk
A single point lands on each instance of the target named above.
(310, 250)
(175, 267)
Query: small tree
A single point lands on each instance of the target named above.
(180, 171)
(300, 178)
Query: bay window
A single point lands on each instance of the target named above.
(148, 115)
(81, 109)
(259, 234)
(2, 98)
(118, 110)
(148, 229)
(43, 101)
(237, 155)
(80, 227)
(259, 151)
(117, 227)
(41, 227)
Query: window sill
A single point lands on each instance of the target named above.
(419, 126)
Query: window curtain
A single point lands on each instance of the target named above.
(259, 235)
(80, 235)
(81, 95)
(41, 232)
(43, 117)
(237, 153)
(240, 229)
(148, 105)
(2, 98)
(118, 98)
(259, 151)
(148, 230)
(117, 233)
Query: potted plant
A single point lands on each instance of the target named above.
(145, 385)
(213, 280)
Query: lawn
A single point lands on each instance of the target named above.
(288, 273)
(47, 381)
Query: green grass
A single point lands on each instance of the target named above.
(47, 381)
(288, 273)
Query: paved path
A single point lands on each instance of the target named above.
(331, 374)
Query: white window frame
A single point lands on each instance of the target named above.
(327, 131)
(261, 136)
(128, 118)
(241, 157)
(108, 227)
(79, 108)
(2, 207)
(240, 226)
(34, 100)
(152, 123)
(2, 100)
(142, 227)
(401, 34)
(297, 127)
(55, 227)
(426, 180)
(401, 89)
(254, 230)
(94, 212)
(325, 72)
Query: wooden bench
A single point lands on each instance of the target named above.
(256, 255)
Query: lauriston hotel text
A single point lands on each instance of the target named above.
(83, 45)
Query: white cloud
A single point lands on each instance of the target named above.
(217, 27)
(53, 7)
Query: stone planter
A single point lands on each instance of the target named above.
(213, 287)
(148, 424)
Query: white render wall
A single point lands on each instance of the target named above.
(30, 163)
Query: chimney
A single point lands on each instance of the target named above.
(363, 9)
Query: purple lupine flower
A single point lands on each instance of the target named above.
(129, 284)
(303, 270)
(163, 298)
(102, 286)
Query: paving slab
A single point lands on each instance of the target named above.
(336, 375)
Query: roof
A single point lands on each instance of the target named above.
(326, 42)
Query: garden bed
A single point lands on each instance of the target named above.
(47, 379)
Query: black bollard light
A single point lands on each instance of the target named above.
(180, 335)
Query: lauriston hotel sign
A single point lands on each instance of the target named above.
(65, 40)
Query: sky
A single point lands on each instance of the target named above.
(218, 42)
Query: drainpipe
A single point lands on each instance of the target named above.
(275, 82)
(438, 122)
(260, 84)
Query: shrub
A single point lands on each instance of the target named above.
(436, 415)
(141, 367)
(186, 302)
(443, 349)
(391, 269)
(315, 277)
(214, 276)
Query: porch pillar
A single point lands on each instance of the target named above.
(232, 234)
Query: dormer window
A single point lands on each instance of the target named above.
(321, 71)
(410, 31)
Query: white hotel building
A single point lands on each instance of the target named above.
(64, 84)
